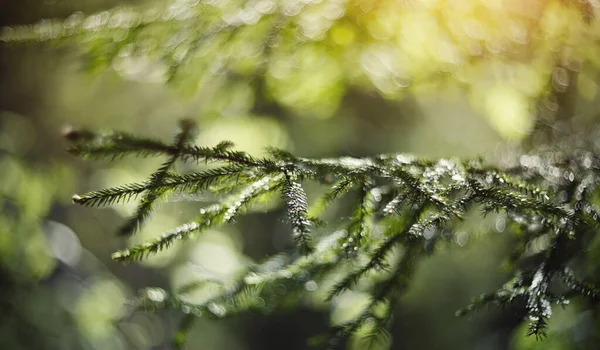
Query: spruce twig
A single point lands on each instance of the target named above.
(413, 199)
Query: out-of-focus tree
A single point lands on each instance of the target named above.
(514, 60)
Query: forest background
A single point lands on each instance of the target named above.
(349, 78)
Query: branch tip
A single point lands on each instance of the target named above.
(76, 199)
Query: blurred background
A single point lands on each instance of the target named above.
(324, 78)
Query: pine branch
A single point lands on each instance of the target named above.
(211, 216)
(576, 285)
(539, 303)
(167, 239)
(114, 145)
(296, 207)
(260, 187)
(358, 229)
(393, 207)
(341, 187)
(420, 191)
(109, 196)
(189, 183)
(499, 179)
(204, 180)
(221, 153)
(385, 292)
(411, 200)
(185, 135)
(496, 199)
(377, 257)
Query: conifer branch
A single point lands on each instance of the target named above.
(547, 196)
(167, 239)
(578, 286)
(358, 229)
(114, 145)
(505, 180)
(412, 199)
(296, 207)
(189, 183)
(394, 206)
(339, 188)
(420, 191)
(221, 153)
(377, 257)
(109, 196)
(538, 303)
(204, 180)
(211, 216)
(385, 292)
(182, 138)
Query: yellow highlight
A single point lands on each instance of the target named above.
(509, 112)
(343, 34)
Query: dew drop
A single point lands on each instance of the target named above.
(311, 286)
(217, 309)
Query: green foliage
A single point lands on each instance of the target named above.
(403, 205)
(304, 55)
(300, 57)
